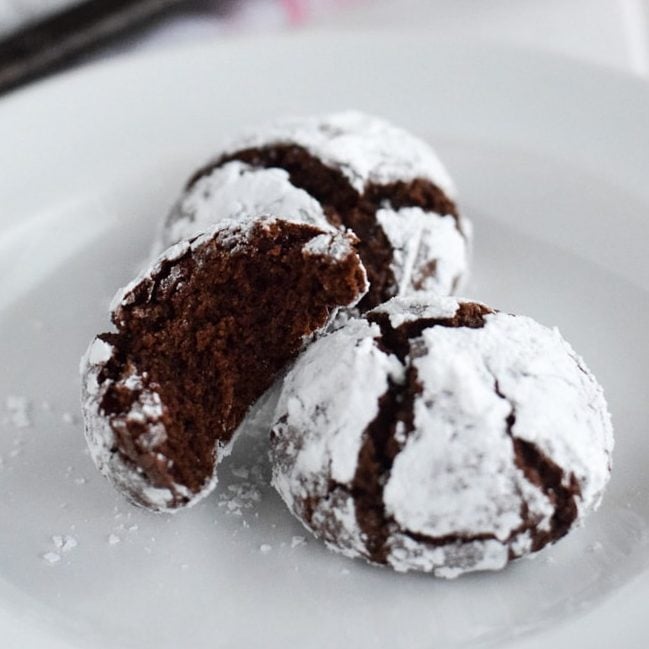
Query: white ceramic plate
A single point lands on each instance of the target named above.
(552, 161)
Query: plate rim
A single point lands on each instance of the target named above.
(78, 77)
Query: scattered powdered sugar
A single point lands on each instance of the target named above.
(265, 548)
(64, 542)
(18, 411)
(239, 497)
(597, 546)
(257, 474)
(241, 472)
(69, 418)
(51, 557)
(113, 539)
(297, 541)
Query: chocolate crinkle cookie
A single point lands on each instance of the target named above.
(346, 170)
(199, 338)
(440, 435)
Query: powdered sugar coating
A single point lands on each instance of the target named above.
(335, 358)
(456, 498)
(236, 191)
(320, 418)
(147, 408)
(367, 149)
(101, 437)
(416, 307)
(430, 253)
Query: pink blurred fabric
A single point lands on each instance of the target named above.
(299, 11)
(296, 10)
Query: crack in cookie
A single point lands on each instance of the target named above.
(397, 437)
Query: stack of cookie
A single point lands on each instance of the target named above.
(413, 429)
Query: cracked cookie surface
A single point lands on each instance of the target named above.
(346, 170)
(440, 435)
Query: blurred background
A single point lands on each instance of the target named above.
(39, 37)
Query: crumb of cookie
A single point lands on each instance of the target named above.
(200, 337)
(439, 435)
(345, 170)
(64, 542)
(68, 418)
(240, 472)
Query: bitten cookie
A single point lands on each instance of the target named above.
(346, 170)
(440, 435)
(200, 336)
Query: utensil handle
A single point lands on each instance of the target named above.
(42, 47)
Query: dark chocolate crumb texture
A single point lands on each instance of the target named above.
(440, 435)
(346, 170)
(199, 338)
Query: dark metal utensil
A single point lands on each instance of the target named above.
(44, 46)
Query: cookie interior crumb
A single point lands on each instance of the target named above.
(207, 333)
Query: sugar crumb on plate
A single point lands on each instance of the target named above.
(51, 557)
(18, 410)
